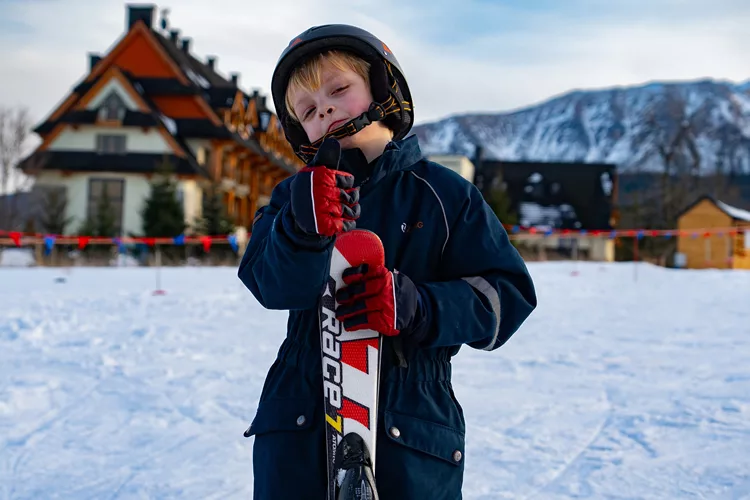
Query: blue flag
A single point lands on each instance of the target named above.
(49, 242)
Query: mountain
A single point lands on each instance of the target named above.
(621, 125)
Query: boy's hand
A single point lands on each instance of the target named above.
(377, 299)
(323, 199)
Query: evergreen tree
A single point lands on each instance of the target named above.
(162, 213)
(499, 201)
(103, 224)
(53, 219)
(105, 219)
(215, 221)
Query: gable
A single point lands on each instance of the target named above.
(113, 86)
(112, 80)
(704, 213)
(140, 54)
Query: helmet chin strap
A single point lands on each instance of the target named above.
(375, 113)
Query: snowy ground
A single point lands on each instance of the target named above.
(615, 388)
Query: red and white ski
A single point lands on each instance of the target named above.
(351, 375)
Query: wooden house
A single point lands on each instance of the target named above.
(150, 99)
(701, 247)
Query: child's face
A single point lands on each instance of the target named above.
(342, 96)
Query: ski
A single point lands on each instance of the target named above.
(351, 376)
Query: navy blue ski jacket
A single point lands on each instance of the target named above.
(474, 288)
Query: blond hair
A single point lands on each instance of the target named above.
(307, 76)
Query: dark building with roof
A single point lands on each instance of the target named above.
(556, 196)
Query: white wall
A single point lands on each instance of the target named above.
(115, 85)
(196, 144)
(137, 189)
(458, 163)
(84, 139)
(192, 196)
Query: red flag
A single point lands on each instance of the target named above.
(206, 240)
(83, 241)
(149, 241)
(16, 237)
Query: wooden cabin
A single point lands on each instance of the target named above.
(701, 249)
(148, 100)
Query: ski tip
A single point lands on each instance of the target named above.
(361, 246)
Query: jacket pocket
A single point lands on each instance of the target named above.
(277, 415)
(434, 439)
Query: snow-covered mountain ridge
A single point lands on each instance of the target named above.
(621, 125)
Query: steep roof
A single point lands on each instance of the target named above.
(733, 212)
(169, 74)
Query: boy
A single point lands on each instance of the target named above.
(451, 275)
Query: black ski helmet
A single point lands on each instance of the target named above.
(392, 99)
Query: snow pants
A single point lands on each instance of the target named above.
(420, 438)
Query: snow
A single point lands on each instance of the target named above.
(197, 79)
(608, 125)
(627, 382)
(734, 212)
(169, 123)
(17, 257)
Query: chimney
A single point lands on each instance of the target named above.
(174, 36)
(235, 78)
(186, 45)
(256, 93)
(262, 102)
(143, 13)
(211, 62)
(93, 59)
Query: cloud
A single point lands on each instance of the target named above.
(584, 46)
(469, 56)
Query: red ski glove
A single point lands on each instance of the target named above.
(377, 299)
(323, 199)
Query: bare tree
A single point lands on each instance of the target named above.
(14, 131)
(670, 129)
(680, 160)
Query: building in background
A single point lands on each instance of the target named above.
(557, 196)
(151, 100)
(698, 250)
(460, 164)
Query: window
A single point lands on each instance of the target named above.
(106, 194)
(110, 144)
(113, 107)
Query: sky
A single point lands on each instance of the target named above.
(459, 56)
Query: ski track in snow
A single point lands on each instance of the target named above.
(614, 388)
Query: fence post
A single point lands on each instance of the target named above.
(158, 290)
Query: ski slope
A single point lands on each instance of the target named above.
(624, 383)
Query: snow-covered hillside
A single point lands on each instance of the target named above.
(621, 385)
(623, 125)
